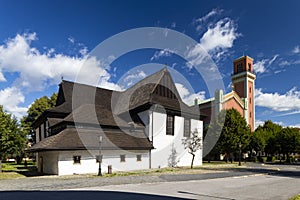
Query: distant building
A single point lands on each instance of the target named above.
(241, 97)
(142, 127)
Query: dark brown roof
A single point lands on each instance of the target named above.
(137, 95)
(95, 114)
(81, 139)
(77, 94)
(146, 92)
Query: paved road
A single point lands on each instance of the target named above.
(256, 181)
(247, 187)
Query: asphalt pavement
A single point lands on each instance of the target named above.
(229, 183)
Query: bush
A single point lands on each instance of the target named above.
(262, 159)
(290, 159)
(252, 159)
(271, 159)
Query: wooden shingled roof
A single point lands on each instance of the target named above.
(91, 106)
(82, 139)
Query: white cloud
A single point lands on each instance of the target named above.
(259, 66)
(200, 21)
(173, 25)
(187, 96)
(217, 40)
(296, 125)
(10, 98)
(219, 36)
(208, 15)
(296, 49)
(288, 102)
(258, 123)
(38, 70)
(130, 79)
(262, 65)
(71, 39)
(288, 63)
(162, 53)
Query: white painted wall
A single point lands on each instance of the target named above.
(163, 143)
(50, 162)
(110, 157)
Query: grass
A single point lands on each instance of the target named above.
(297, 197)
(10, 175)
(205, 168)
(14, 170)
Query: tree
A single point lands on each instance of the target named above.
(12, 138)
(272, 131)
(267, 138)
(235, 132)
(172, 160)
(35, 110)
(288, 141)
(193, 144)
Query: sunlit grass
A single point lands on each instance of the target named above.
(297, 197)
(14, 170)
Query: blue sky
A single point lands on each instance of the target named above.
(41, 41)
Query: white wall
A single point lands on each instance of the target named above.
(110, 157)
(163, 143)
(50, 162)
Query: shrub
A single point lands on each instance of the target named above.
(271, 158)
(262, 159)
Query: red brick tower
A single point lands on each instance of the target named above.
(243, 80)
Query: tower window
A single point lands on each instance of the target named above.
(249, 89)
(239, 67)
(249, 67)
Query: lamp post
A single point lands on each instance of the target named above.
(240, 153)
(100, 156)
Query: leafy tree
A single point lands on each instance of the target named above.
(193, 144)
(234, 132)
(268, 134)
(288, 141)
(36, 109)
(12, 138)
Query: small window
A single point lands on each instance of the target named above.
(249, 89)
(122, 158)
(250, 114)
(170, 125)
(138, 158)
(250, 100)
(77, 159)
(249, 67)
(187, 128)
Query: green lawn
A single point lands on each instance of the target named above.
(13, 170)
(297, 197)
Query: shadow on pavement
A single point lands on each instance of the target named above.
(79, 195)
(205, 195)
(292, 170)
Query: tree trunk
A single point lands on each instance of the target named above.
(192, 161)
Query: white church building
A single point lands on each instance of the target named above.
(140, 128)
